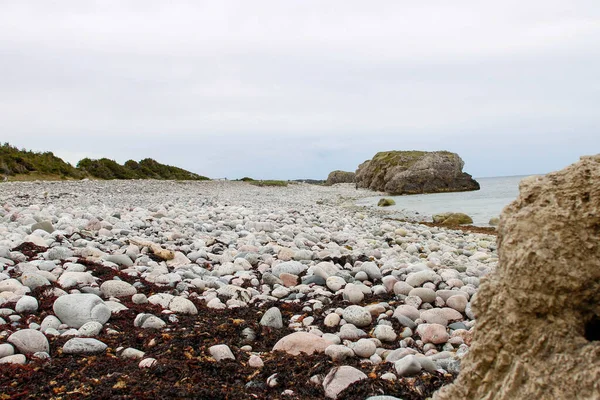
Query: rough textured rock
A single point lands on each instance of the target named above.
(340, 177)
(410, 172)
(538, 327)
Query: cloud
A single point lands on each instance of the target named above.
(295, 89)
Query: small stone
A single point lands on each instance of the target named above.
(130, 352)
(385, 333)
(182, 305)
(288, 280)
(114, 288)
(14, 359)
(59, 253)
(77, 309)
(458, 303)
(340, 378)
(29, 341)
(83, 346)
(338, 352)
(335, 283)
(147, 363)
(139, 298)
(357, 315)
(43, 225)
(255, 362)
(332, 320)
(26, 304)
(353, 294)
(301, 342)
(221, 352)
(91, 328)
(272, 318)
(6, 349)
(120, 259)
(364, 348)
(433, 333)
(407, 366)
(426, 295)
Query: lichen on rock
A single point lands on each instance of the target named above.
(538, 333)
(412, 172)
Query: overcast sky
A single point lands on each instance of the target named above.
(295, 89)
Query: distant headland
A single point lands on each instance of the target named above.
(23, 164)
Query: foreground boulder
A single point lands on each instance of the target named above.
(538, 326)
(412, 172)
(340, 177)
(77, 309)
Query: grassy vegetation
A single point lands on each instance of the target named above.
(28, 165)
(268, 183)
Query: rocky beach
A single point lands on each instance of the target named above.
(216, 289)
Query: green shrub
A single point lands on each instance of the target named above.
(269, 183)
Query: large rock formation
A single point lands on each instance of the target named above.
(412, 172)
(340, 177)
(538, 316)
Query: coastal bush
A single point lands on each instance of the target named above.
(23, 162)
(27, 165)
(269, 183)
(246, 179)
(385, 202)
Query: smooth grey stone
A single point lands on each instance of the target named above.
(77, 309)
(317, 280)
(458, 325)
(120, 259)
(83, 346)
(405, 321)
(272, 318)
(29, 341)
(408, 366)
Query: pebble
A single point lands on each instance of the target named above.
(407, 366)
(338, 352)
(29, 341)
(364, 348)
(114, 288)
(301, 342)
(77, 309)
(272, 318)
(433, 333)
(26, 304)
(357, 316)
(339, 378)
(91, 328)
(14, 359)
(83, 346)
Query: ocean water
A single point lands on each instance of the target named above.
(481, 205)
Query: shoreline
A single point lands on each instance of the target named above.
(216, 263)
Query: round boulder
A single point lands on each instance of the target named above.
(77, 309)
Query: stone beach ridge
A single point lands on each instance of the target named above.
(146, 289)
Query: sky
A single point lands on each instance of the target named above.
(295, 89)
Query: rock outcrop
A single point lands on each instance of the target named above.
(340, 177)
(538, 328)
(412, 172)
